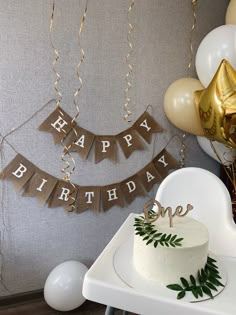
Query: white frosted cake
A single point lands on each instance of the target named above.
(180, 255)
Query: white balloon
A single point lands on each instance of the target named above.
(219, 44)
(223, 154)
(63, 287)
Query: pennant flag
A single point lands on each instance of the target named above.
(111, 196)
(149, 176)
(81, 141)
(130, 142)
(88, 197)
(19, 171)
(131, 188)
(47, 188)
(64, 195)
(146, 126)
(58, 123)
(40, 186)
(164, 162)
(105, 148)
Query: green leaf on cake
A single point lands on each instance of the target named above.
(151, 236)
(180, 295)
(206, 282)
(175, 287)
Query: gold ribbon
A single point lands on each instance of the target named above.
(130, 68)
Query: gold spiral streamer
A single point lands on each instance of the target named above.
(66, 157)
(82, 57)
(130, 68)
(183, 136)
(66, 169)
(194, 11)
(58, 78)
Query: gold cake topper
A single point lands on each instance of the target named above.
(161, 211)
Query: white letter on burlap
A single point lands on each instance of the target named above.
(128, 139)
(162, 160)
(20, 171)
(112, 194)
(80, 141)
(64, 194)
(59, 124)
(90, 195)
(145, 125)
(44, 181)
(131, 186)
(105, 144)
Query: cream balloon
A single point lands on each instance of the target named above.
(63, 287)
(217, 45)
(222, 153)
(230, 17)
(179, 105)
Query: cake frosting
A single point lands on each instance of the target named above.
(168, 264)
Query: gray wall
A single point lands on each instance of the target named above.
(37, 238)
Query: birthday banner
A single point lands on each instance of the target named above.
(63, 128)
(60, 193)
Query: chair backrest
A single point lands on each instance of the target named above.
(211, 201)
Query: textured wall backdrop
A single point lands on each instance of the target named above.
(37, 238)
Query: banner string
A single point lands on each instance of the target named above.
(130, 67)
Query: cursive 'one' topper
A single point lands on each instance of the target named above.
(179, 211)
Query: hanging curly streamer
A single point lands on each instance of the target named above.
(130, 68)
(194, 10)
(68, 169)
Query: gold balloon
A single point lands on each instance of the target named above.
(230, 17)
(179, 105)
(217, 106)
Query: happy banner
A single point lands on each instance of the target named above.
(60, 193)
(78, 139)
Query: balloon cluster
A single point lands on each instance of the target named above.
(207, 107)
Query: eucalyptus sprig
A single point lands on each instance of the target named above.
(206, 282)
(150, 234)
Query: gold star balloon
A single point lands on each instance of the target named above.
(216, 105)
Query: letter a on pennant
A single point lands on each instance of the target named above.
(149, 176)
(81, 141)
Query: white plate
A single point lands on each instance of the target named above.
(123, 266)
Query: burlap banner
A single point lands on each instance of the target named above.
(59, 193)
(78, 139)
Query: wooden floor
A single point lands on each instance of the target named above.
(38, 306)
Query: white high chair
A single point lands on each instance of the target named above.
(212, 205)
(211, 201)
